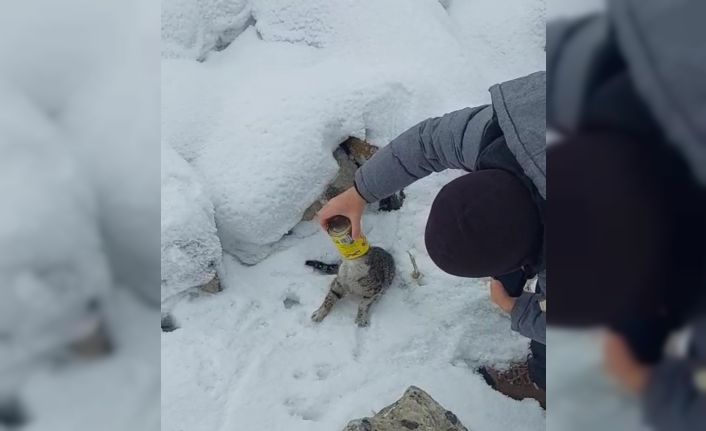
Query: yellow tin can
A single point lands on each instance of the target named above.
(340, 231)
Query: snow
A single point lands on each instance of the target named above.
(258, 122)
(52, 262)
(79, 102)
(242, 360)
(117, 393)
(191, 251)
(581, 397)
(572, 8)
(502, 33)
(191, 28)
(302, 80)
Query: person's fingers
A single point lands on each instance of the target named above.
(355, 227)
(324, 215)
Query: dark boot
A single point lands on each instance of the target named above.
(515, 383)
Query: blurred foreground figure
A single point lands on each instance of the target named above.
(53, 273)
(79, 131)
(627, 214)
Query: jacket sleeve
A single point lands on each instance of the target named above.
(448, 142)
(675, 399)
(580, 53)
(528, 317)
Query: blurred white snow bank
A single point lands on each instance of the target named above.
(52, 262)
(79, 136)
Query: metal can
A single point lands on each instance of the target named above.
(340, 230)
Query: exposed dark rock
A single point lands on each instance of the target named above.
(350, 155)
(213, 286)
(168, 323)
(416, 410)
(97, 344)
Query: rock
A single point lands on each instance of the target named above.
(213, 286)
(96, 344)
(192, 28)
(359, 150)
(168, 323)
(416, 410)
(191, 250)
(351, 155)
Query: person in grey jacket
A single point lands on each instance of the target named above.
(488, 223)
(627, 94)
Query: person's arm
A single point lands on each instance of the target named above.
(675, 397)
(526, 309)
(580, 54)
(436, 144)
(528, 316)
(451, 141)
(673, 391)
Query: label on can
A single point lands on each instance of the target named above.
(349, 248)
(339, 230)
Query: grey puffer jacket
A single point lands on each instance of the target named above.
(467, 139)
(658, 46)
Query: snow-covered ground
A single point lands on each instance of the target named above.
(258, 122)
(250, 358)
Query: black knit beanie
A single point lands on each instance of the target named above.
(483, 224)
(625, 233)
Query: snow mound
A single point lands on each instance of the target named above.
(52, 262)
(192, 28)
(312, 23)
(259, 120)
(191, 250)
(503, 33)
(191, 101)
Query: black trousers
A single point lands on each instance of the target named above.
(537, 363)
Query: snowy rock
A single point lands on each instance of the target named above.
(349, 155)
(191, 250)
(416, 410)
(507, 36)
(192, 28)
(52, 263)
(312, 23)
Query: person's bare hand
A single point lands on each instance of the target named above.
(620, 363)
(349, 204)
(499, 296)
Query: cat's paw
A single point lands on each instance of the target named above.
(318, 315)
(362, 320)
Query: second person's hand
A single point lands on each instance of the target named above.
(349, 204)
